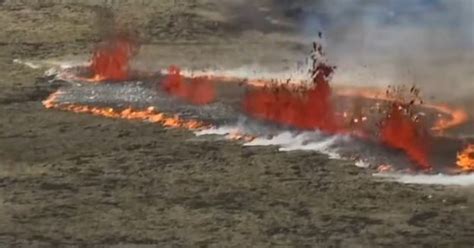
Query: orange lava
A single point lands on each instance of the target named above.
(454, 116)
(110, 61)
(302, 108)
(199, 91)
(400, 131)
(149, 115)
(457, 116)
(465, 158)
(290, 104)
(240, 137)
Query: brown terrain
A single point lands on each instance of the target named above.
(74, 180)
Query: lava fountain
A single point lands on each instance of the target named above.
(110, 60)
(183, 102)
(299, 107)
(401, 131)
(312, 108)
(200, 91)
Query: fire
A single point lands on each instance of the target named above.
(466, 158)
(110, 61)
(149, 115)
(200, 91)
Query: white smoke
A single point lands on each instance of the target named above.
(329, 145)
(224, 130)
(440, 179)
(430, 43)
(287, 140)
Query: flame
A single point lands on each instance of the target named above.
(110, 61)
(200, 91)
(149, 115)
(466, 158)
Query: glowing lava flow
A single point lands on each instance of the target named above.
(302, 108)
(292, 105)
(312, 109)
(466, 158)
(149, 115)
(400, 131)
(111, 60)
(457, 116)
(200, 91)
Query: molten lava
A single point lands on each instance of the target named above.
(312, 109)
(308, 109)
(401, 131)
(302, 108)
(456, 116)
(110, 61)
(150, 114)
(466, 158)
(291, 104)
(200, 91)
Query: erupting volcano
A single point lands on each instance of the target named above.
(210, 101)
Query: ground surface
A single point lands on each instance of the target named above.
(75, 180)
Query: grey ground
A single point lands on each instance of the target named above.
(81, 181)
